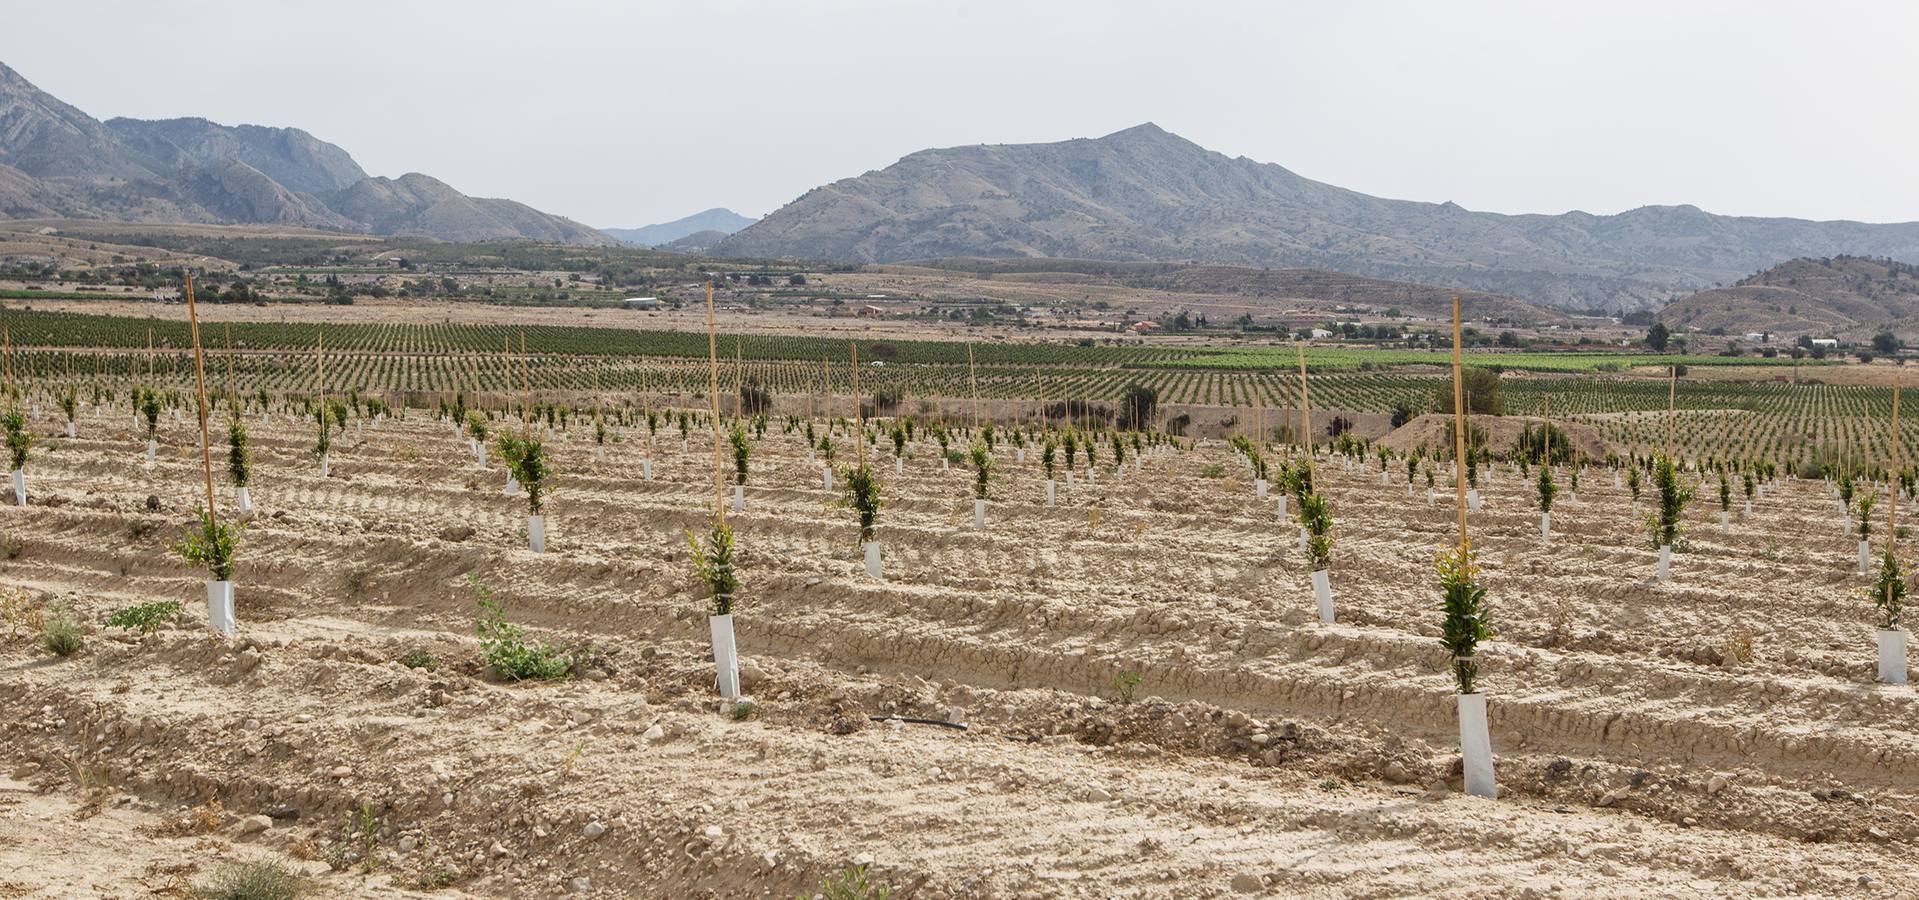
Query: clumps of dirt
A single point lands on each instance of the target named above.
(1502, 433)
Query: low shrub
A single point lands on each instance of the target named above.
(145, 618)
(256, 880)
(61, 634)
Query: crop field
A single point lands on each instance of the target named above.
(1152, 708)
(1800, 422)
(475, 650)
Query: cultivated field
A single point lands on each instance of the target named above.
(1153, 707)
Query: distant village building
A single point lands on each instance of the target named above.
(1145, 327)
(1320, 334)
(642, 302)
(1825, 342)
(871, 312)
(1755, 337)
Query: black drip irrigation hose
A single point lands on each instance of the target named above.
(959, 726)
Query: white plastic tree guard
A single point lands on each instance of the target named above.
(1665, 563)
(1476, 745)
(873, 567)
(536, 533)
(1051, 491)
(220, 607)
(1323, 594)
(726, 661)
(246, 502)
(979, 514)
(19, 488)
(1892, 656)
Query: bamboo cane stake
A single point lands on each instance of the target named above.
(6, 355)
(1305, 407)
(200, 379)
(1892, 528)
(233, 397)
(526, 394)
(859, 411)
(713, 397)
(1046, 421)
(826, 384)
(1549, 429)
(1672, 397)
(973, 378)
(1459, 429)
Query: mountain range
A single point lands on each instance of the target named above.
(720, 221)
(59, 162)
(1149, 195)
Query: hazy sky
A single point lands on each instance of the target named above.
(622, 114)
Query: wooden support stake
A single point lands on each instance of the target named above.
(200, 378)
(1305, 407)
(1459, 428)
(972, 378)
(1892, 526)
(1672, 403)
(231, 396)
(859, 411)
(713, 396)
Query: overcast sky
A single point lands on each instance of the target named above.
(626, 113)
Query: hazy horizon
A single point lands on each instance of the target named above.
(623, 117)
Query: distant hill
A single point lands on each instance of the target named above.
(59, 162)
(697, 242)
(1146, 194)
(1848, 297)
(724, 221)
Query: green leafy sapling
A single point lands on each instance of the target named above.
(149, 403)
(1315, 517)
(713, 564)
(19, 439)
(526, 459)
(983, 465)
(1889, 591)
(863, 494)
(741, 450)
(1463, 599)
(1673, 499)
(239, 456)
(210, 544)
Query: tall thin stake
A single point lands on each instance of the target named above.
(1672, 404)
(1892, 526)
(713, 396)
(1305, 407)
(859, 409)
(200, 378)
(232, 397)
(1459, 428)
(973, 378)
